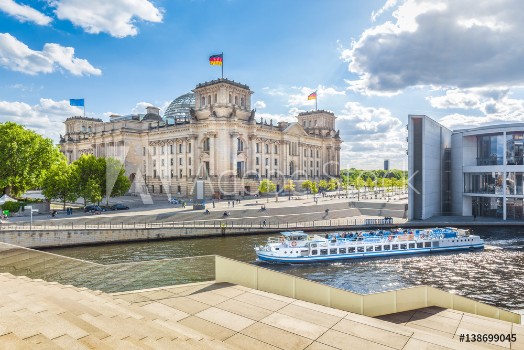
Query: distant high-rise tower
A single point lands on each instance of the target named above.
(386, 164)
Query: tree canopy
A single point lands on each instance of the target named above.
(61, 182)
(266, 186)
(25, 157)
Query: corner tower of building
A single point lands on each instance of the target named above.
(222, 98)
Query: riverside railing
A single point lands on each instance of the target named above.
(236, 223)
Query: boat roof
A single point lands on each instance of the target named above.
(293, 233)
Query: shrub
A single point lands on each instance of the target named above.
(11, 206)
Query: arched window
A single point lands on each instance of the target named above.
(206, 145)
(209, 99)
(230, 98)
(203, 103)
(89, 129)
(240, 145)
(242, 101)
(236, 100)
(83, 128)
(215, 98)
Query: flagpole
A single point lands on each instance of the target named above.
(222, 65)
(316, 101)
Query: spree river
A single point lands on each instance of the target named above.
(495, 277)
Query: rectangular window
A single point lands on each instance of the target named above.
(189, 172)
(412, 246)
(427, 244)
(172, 163)
(351, 249)
(267, 148)
(163, 149)
(189, 147)
(258, 147)
(267, 161)
(403, 246)
(378, 248)
(394, 247)
(420, 245)
(276, 161)
(179, 161)
(276, 149)
(163, 162)
(360, 249)
(314, 252)
(333, 251)
(342, 251)
(257, 161)
(154, 150)
(144, 151)
(171, 149)
(369, 248)
(387, 247)
(179, 148)
(323, 251)
(189, 161)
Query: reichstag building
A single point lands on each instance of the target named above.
(212, 134)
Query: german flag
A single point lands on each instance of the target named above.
(216, 60)
(312, 96)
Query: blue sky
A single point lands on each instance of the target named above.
(372, 62)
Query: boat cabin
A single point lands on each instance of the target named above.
(298, 236)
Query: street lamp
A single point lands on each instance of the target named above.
(30, 208)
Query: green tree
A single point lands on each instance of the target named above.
(89, 171)
(332, 184)
(289, 187)
(267, 186)
(92, 191)
(314, 188)
(60, 183)
(116, 182)
(25, 156)
(322, 185)
(307, 185)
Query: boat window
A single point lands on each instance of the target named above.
(378, 248)
(333, 251)
(420, 245)
(277, 248)
(351, 249)
(411, 245)
(360, 249)
(427, 244)
(394, 247)
(323, 251)
(403, 246)
(387, 247)
(436, 244)
(369, 248)
(342, 251)
(314, 252)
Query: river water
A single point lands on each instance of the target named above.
(495, 277)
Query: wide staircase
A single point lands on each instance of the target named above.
(38, 314)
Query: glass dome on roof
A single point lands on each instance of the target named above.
(180, 106)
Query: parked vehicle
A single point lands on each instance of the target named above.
(93, 209)
(119, 207)
(174, 201)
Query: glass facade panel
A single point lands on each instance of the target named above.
(487, 207)
(486, 183)
(490, 149)
(514, 148)
(514, 183)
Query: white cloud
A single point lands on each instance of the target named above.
(140, 107)
(17, 56)
(260, 105)
(115, 17)
(24, 13)
(387, 6)
(464, 44)
(370, 135)
(299, 95)
(484, 99)
(46, 117)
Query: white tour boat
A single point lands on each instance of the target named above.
(299, 247)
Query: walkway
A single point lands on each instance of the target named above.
(38, 314)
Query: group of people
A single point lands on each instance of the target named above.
(230, 202)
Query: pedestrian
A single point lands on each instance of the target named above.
(233, 202)
(213, 203)
(228, 203)
(264, 223)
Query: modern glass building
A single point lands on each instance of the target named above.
(467, 172)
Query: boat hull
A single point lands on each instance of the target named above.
(335, 257)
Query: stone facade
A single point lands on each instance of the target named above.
(219, 141)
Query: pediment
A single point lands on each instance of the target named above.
(295, 129)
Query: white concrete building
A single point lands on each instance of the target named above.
(211, 134)
(478, 171)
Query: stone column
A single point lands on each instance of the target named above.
(234, 150)
(212, 170)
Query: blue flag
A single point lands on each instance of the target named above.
(78, 102)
